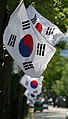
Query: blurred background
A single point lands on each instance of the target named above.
(55, 85)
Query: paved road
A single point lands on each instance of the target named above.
(51, 113)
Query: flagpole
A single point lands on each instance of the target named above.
(31, 113)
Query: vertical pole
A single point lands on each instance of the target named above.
(31, 112)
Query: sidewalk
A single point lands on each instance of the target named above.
(55, 109)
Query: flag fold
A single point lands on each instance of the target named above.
(26, 45)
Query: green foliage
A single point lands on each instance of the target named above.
(64, 79)
(12, 4)
(60, 87)
(54, 70)
(54, 10)
(27, 3)
(61, 14)
(45, 8)
(56, 87)
(62, 44)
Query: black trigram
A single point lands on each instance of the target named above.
(34, 19)
(40, 49)
(26, 83)
(12, 40)
(28, 65)
(35, 91)
(50, 31)
(26, 24)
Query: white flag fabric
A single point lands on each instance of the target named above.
(48, 30)
(33, 85)
(30, 97)
(27, 47)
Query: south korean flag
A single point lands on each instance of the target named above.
(25, 44)
(31, 98)
(33, 85)
(47, 29)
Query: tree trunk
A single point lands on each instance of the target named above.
(5, 70)
(23, 107)
(7, 87)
